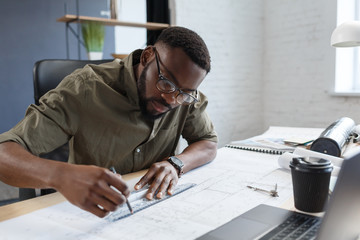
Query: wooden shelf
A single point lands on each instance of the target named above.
(120, 56)
(112, 22)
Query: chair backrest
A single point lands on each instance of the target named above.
(47, 74)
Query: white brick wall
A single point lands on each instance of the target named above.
(233, 31)
(272, 63)
(299, 65)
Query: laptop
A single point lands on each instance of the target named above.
(341, 219)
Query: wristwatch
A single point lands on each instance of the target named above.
(177, 163)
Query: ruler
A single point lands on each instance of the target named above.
(139, 202)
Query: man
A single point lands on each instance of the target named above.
(128, 114)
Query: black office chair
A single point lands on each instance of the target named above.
(47, 74)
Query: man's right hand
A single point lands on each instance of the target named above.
(88, 187)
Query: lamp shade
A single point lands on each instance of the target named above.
(346, 35)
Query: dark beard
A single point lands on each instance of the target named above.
(143, 101)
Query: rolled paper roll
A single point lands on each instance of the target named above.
(334, 137)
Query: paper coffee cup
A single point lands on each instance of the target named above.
(311, 178)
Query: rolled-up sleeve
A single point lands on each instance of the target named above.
(53, 122)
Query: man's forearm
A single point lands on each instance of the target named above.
(20, 168)
(197, 154)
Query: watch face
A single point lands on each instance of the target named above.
(177, 161)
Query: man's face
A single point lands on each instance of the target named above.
(175, 66)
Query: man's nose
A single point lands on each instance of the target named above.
(170, 98)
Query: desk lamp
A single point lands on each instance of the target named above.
(346, 35)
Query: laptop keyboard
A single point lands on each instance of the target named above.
(297, 226)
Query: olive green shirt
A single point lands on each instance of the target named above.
(96, 108)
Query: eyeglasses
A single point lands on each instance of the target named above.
(166, 86)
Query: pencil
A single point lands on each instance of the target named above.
(127, 201)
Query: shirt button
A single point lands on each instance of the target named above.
(138, 150)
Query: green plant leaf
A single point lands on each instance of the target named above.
(93, 35)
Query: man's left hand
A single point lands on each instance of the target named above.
(162, 177)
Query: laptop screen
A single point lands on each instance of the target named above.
(342, 217)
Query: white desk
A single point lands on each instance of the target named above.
(219, 196)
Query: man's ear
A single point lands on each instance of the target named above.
(146, 55)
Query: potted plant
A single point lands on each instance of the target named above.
(93, 35)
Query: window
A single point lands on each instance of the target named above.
(347, 78)
(127, 39)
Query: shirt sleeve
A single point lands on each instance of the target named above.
(198, 125)
(54, 121)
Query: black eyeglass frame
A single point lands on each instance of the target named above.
(174, 88)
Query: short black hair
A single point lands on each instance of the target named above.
(190, 42)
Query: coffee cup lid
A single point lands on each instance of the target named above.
(310, 163)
